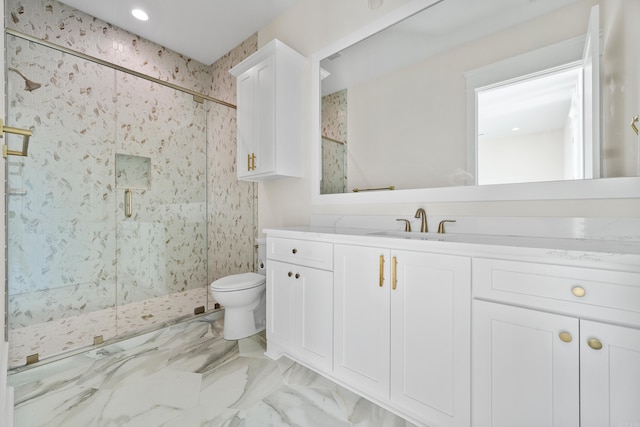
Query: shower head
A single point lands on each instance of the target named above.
(29, 85)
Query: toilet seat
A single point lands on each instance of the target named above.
(238, 282)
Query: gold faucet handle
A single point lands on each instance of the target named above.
(407, 224)
(441, 225)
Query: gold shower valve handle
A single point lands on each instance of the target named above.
(633, 124)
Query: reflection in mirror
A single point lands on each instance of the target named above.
(404, 94)
(530, 130)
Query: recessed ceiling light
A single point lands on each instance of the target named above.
(140, 14)
(515, 129)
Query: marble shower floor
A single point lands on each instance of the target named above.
(186, 375)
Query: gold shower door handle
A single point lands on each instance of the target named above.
(128, 203)
(381, 270)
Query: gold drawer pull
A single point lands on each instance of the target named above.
(394, 279)
(566, 337)
(594, 343)
(578, 291)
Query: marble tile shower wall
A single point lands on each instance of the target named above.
(103, 114)
(233, 204)
(334, 126)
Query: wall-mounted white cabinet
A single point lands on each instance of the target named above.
(269, 87)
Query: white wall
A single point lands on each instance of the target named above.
(313, 24)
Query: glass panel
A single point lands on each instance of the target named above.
(79, 268)
(61, 220)
(162, 247)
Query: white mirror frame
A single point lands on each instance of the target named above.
(607, 188)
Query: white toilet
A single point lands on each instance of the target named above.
(243, 297)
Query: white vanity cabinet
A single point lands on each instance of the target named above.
(300, 300)
(555, 345)
(269, 88)
(402, 330)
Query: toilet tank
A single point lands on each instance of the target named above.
(262, 256)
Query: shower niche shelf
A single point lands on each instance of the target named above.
(133, 172)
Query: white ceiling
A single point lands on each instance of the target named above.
(203, 30)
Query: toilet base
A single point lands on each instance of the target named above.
(240, 324)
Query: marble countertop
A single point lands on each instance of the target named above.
(573, 247)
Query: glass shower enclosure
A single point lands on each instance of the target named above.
(107, 216)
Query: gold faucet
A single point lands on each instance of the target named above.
(420, 213)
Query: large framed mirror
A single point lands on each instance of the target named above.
(457, 100)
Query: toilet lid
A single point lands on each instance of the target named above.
(238, 282)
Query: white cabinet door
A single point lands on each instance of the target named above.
(264, 117)
(523, 373)
(314, 317)
(361, 313)
(610, 381)
(280, 308)
(246, 123)
(430, 336)
(300, 313)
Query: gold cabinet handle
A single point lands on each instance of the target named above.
(565, 337)
(253, 161)
(394, 279)
(128, 203)
(249, 162)
(578, 291)
(594, 343)
(381, 270)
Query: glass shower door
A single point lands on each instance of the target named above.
(61, 244)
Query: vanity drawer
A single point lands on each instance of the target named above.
(541, 284)
(301, 252)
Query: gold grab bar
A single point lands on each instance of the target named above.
(390, 188)
(381, 270)
(26, 133)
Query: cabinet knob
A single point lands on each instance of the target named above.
(289, 274)
(578, 291)
(594, 343)
(297, 275)
(294, 251)
(566, 337)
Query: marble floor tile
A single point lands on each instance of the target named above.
(186, 375)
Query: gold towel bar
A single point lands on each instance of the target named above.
(26, 133)
(391, 188)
